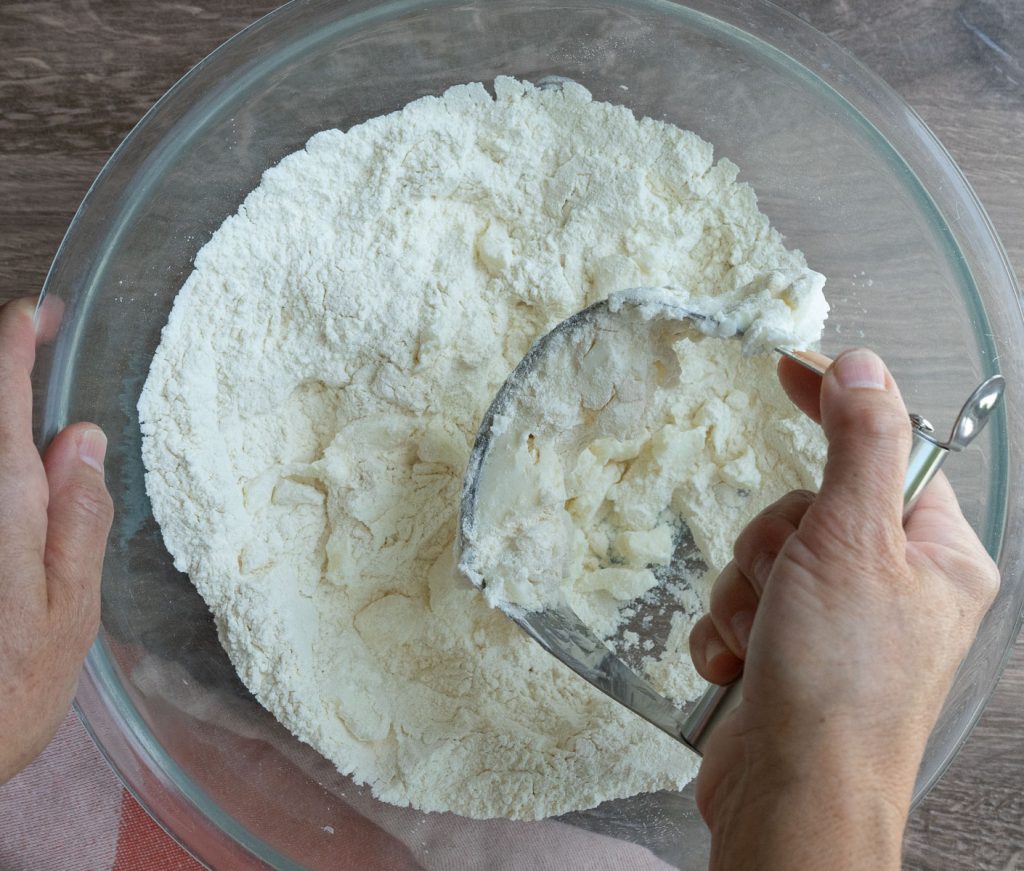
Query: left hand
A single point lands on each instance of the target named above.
(55, 514)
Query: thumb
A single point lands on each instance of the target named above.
(78, 520)
(869, 435)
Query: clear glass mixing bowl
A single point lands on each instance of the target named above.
(843, 168)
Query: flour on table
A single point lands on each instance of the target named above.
(311, 407)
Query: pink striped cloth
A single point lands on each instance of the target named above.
(68, 812)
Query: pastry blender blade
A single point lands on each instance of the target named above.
(560, 631)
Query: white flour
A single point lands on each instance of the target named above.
(633, 445)
(310, 410)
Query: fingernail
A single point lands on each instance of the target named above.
(860, 369)
(762, 568)
(742, 622)
(713, 649)
(27, 306)
(92, 448)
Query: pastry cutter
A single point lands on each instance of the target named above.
(560, 631)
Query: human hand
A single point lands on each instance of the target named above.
(848, 626)
(55, 514)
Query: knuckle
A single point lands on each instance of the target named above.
(764, 538)
(872, 537)
(804, 554)
(791, 506)
(92, 501)
(875, 421)
(800, 499)
(765, 534)
(836, 554)
(731, 589)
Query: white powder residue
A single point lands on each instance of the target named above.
(310, 410)
(632, 447)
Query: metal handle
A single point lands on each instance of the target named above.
(926, 458)
(714, 706)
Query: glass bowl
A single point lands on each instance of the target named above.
(845, 170)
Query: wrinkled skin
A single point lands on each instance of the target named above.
(848, 626)
(55, 514)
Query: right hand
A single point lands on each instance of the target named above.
(849, 627)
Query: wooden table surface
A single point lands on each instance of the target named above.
(75, 75)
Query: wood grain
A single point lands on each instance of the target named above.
(75, 76)
(961, 66)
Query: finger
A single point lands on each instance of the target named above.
(80, 515)
(23, 490)
(803, 386)
(17, 356)
(711, 655)
(49, 313)
(762, 539)
(868, 430)
(733, 604)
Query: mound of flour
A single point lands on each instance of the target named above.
(311, 407)
(628, 426)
